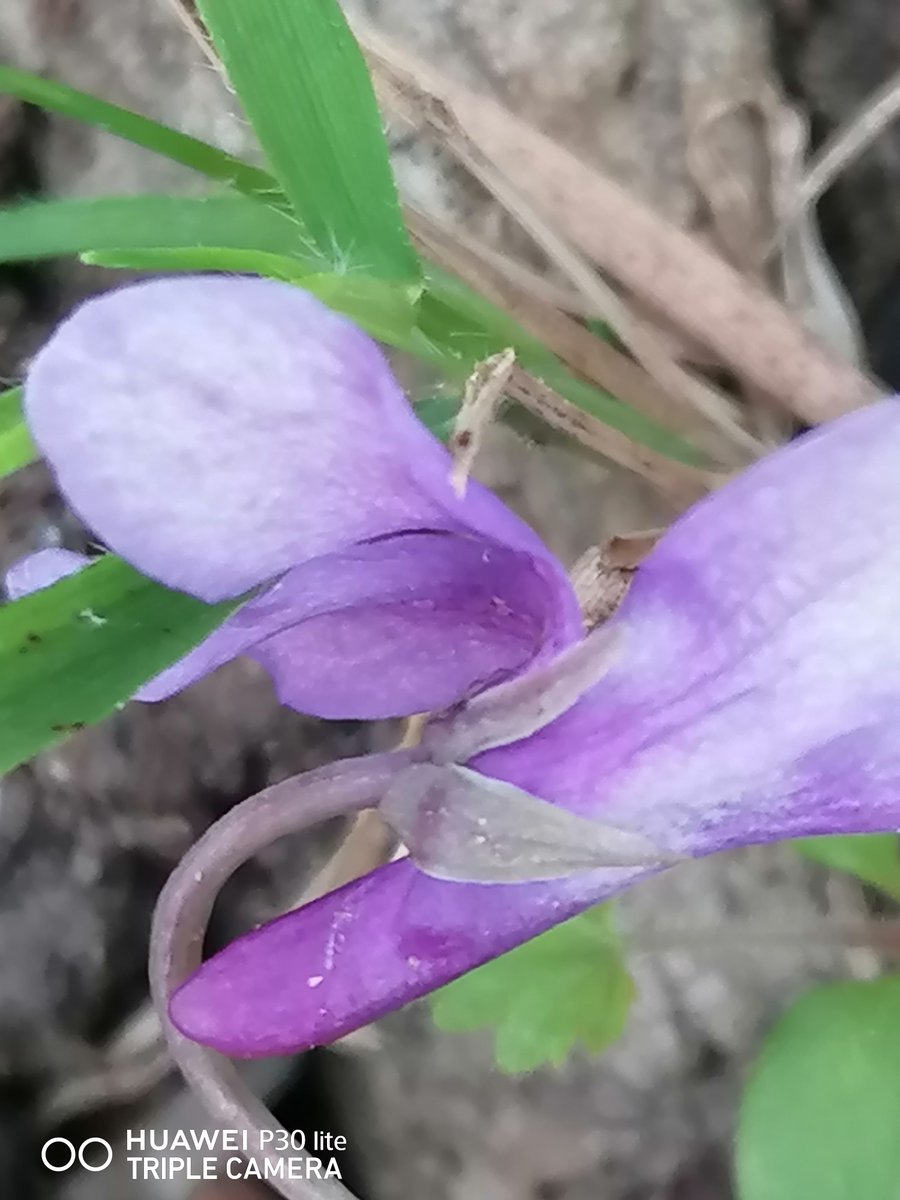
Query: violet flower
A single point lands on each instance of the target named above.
(752, 694)
(229, 436)
(232, 432)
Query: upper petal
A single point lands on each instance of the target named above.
(218, 431)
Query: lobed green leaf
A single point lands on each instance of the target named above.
(568, 985)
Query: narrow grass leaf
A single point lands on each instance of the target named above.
(16, 447)
(142, 131)
(72, 653)
(55, 227)
(304, 85)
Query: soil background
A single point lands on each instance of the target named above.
(88, 831)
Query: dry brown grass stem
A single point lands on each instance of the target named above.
(703, 296)
(682, 484)
(878, 112)
(587, 355)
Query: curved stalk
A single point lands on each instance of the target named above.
(183, 912)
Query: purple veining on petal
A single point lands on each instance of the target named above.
(392, 627)
(796, 646)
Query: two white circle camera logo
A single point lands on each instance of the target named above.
(89, 1164)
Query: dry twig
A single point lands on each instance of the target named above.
(484, 391)
(681, 483)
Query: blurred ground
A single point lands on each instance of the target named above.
(87, 832)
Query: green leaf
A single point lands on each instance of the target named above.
(304, 85)
(189, 151)
(820, 1118)
(872, 857)
(569, 984)
(56, 227)
(74, 652)
(16, 447)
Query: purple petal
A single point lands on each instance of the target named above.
(392, 627)
(216, 432)
(344, 960)
(757, 694)
(757, 697)
(219, 432)
(40, 570)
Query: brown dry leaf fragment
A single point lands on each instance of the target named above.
(726, 158)
(453, 247)
(482, 396)
(626, 551)
(603, 574)
(631, 382)
(745, 152)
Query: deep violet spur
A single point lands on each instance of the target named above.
(234, 438)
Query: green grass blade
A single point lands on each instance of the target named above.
(72, 653)
(305, 87)
(16, 447)
(54, 227)
(161, 139)
(383, 309)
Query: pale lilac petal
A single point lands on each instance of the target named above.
(221, 432)
(41, 569)
(757, 693)
(392, 627)
(756, 697)
(320, 972)
(216, 432)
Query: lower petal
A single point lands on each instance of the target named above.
(355, 954)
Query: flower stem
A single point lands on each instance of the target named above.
(183, 912)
